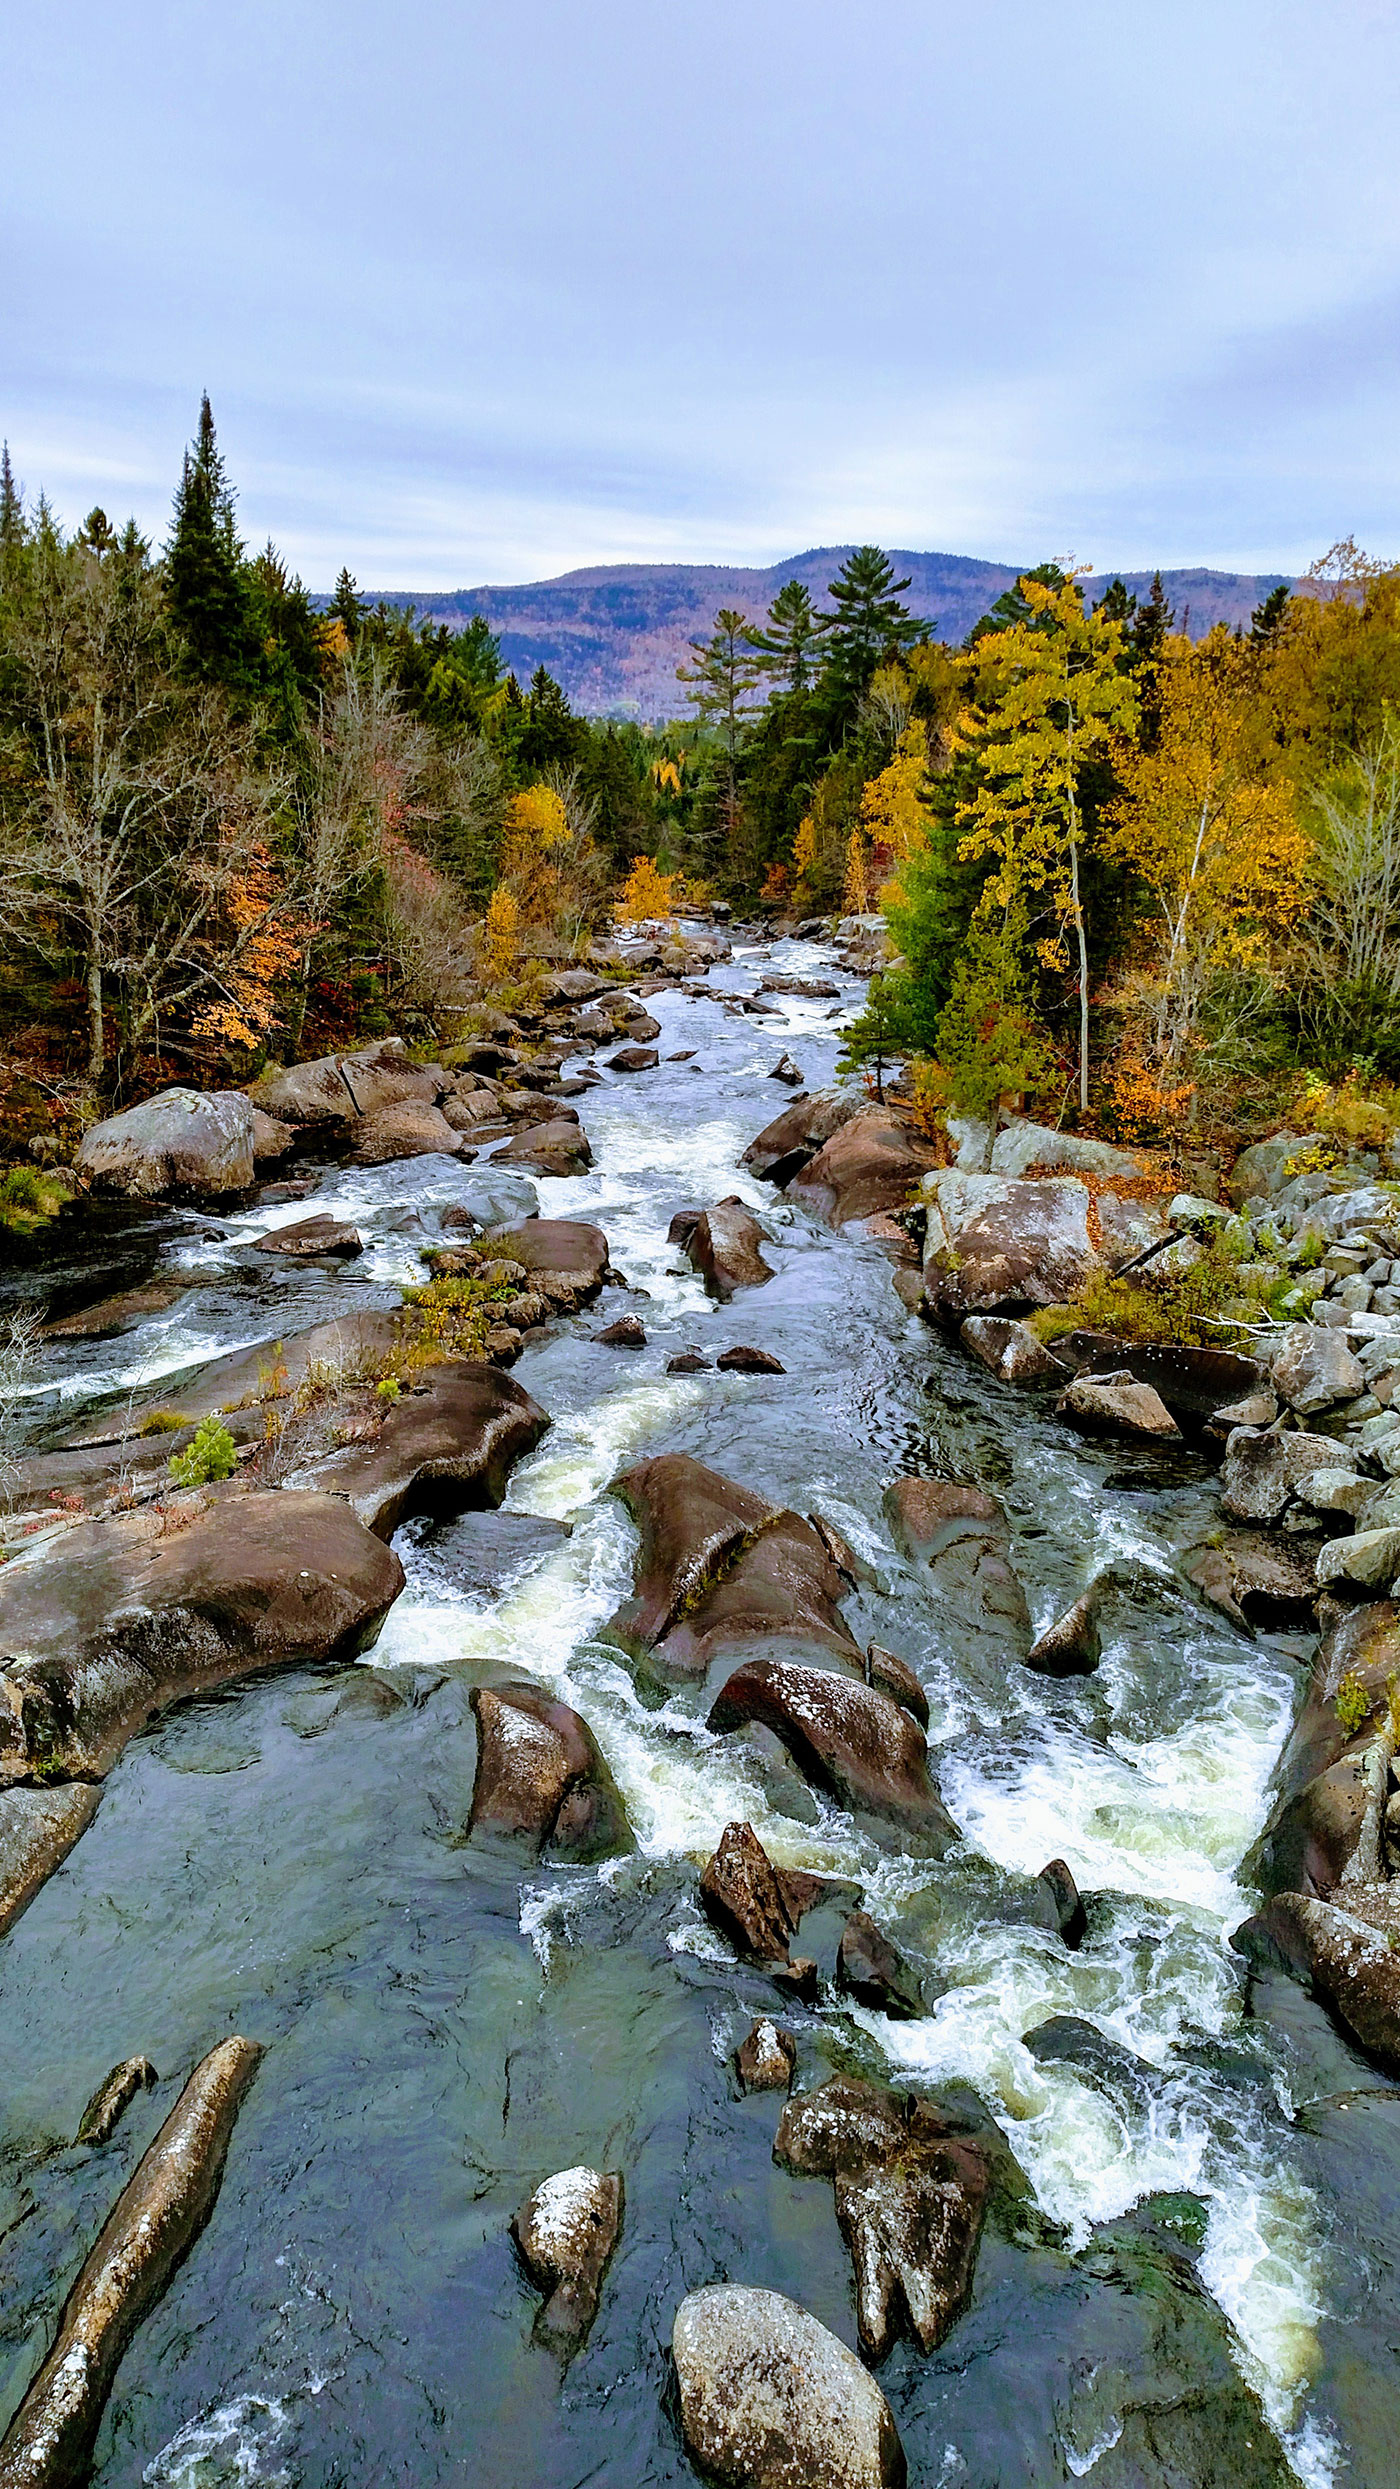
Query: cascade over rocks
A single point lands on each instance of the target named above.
(115, 1622)
(720, 1566)
(450, 1440)
(566, 2234)
(725, 1246)
(867, 1168)
(154, 2222)
(859, 1745)
(910, 2201)
(181, 1141)
(784, 1146)
(540, 1778)
(958, 1535)
(770, 2400)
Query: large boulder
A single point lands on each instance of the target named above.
(571, 1249)
(1348, 1955)
(1011, 1349)
(856, 1743)
(554, 1148)
(153, 2224)
(725, 1247)
(1312, 1370)
(341, 1088)
(1116, 1404)
(116, 1620)
(566, 2234)
(870, 1166)
(540, 1778)
(910, 2200)
(407, 1128)
(719, 1566)
(998, 1245)
(770, 2400)
(1263, 1471)
(314, 1239)
(450, 1441)
(958, 1535)
(784, 1146)
(183, 1141)
(1021, 1146)
(1313, 1828)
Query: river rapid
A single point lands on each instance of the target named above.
(442, 2032)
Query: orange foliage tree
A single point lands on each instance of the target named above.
(647, 895)
(266, 939)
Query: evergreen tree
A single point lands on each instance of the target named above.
(868, 628)
(550, 736)
(346, 606)
(205, 591)
(97, 533)
(1268, 618)
(989, 1045)
(1115, 604)
(1146, 641)
(1013, 608)
(795, 630)
(12, 529)
(476, 653)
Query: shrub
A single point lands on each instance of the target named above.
(163, 1422)
(1352, 1703)
(211, 1455)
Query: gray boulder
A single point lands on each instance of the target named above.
(406, 1128)
(183, 1141)
(340, 1088)
(1116, 1404)
(1314, 1370)
(1011, 1349)
(770, 2400)
(995, 1245)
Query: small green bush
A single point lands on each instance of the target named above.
(163, 1422)
(1352, 1703)
(211, 1455)
(388, 1387)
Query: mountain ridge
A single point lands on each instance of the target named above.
(613, 633)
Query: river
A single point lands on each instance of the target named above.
(442, 2032)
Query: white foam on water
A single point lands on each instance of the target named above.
(224, 2448)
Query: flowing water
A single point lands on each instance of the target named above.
(443, 2031)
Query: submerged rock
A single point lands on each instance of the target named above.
(103, 2112)
(181, 1141)
(38, 1827)
(112, 1315)
(116, 1621)
(857, 1744)
(725, 1245)
(958, 1534)
(153, 2223)
(873, 1972)
(770, 2400)
(540, 1778)
(566, 2234)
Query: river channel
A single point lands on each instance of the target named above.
(442, 2031)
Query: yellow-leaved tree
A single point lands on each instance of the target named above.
(1051, 698)
(1208, 823)
(501, 940)
(648, 896)
(891, 810)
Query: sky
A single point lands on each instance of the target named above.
(481, 294)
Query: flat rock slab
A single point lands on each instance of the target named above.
(182, 1141)
(154, 2222)
(770, 2400)
(566, 2234)
(958, 1534)
(725, 1245)
(115, 1621)
(38, 1827)
(857, 1744)
(449, 1441)
(872, 1164)
(306, 1239)
(572, 1247)
(115, 1314)
(720, 1566)
(540, 1778)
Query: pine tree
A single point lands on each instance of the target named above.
(795, 630)
(345, 604)
(869, 626)
(1012, 609)
(205, 590)
(1147, 640)
(1268, 618)
(551, 737)
(11, 508)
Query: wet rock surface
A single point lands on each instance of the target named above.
(958, 1534)
(566, 2234)
(770, 2399)
(867, 1167)
(725, 1245)
(305, 1239)
(851, 1740)
(766, 2057)
(451, 1439)
(540, 1778)
(103, 2113)
(38, 1827)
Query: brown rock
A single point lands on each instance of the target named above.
(571, 1250)
(784, 1146)
(770, 2400)
(116, 1621)
(720, 1566)
(871, 1164)
(632, 1059)
(689, 1361)
(756, 1908)
(540, 1778)
(555, 1148)
(38, 1827)
(1350, 1956)
(873, 1972)
(725, 1247)
(115, 1314)
(341, 1088)
(566, 2234)
(448, 1444)
(100, 2118)
(307, 1239)
(1071, 1647)
(748, 1361)
(1254, 1580)
(1115, 1404)
(959, 1535)
(1011, 1349)
(766, 2058)
(891, 1675)
(155, 2221)
(857, 1744)
(626, 1332)
(410, 1128)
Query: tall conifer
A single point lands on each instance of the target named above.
(205, 589)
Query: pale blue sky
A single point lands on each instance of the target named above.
(486, 293)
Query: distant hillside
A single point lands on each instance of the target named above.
(614, 636)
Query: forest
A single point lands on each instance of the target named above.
(1148, 884)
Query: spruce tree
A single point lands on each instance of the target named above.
(345, 604)
(11, 505)
(1013, 608)
(205, 590)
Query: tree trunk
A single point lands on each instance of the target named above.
(1083, 979)
(97, 1033)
